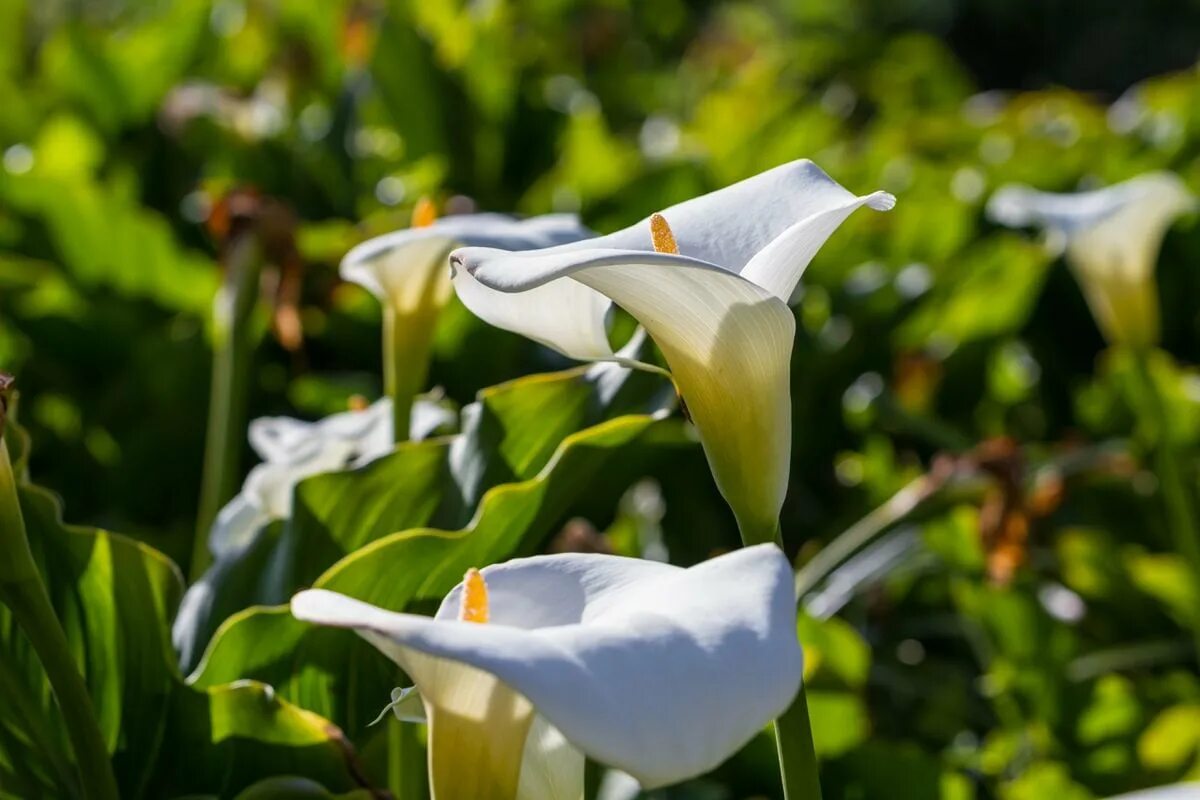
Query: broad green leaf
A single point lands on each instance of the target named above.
(1045, 779)
(114, 597)
(334, 673)
(120, 75)
(297, 789)
(1114, 711)
(229, 737)
(839, 721)
(1168, 579)
(833, 647)
(1172, 739)
(105, 240)
(510, 434)
(995, 285)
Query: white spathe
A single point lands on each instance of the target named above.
(406, 269)
(718, 310)
(1111, 237)
(656, 670)
(292, 450)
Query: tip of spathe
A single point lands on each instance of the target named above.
(456, 262)
(882, 201)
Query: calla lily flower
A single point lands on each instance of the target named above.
(711, 280)
(293, 450)
(406, 271)
(1111, 237)
(528, 666)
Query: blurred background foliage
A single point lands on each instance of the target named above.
(138, 138)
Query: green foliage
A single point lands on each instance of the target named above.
(923, 332)
(114, 598)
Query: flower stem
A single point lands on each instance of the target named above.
(793, 730)
(233, 347)
(22, 590)
(797, 755)
(1178, 499)
(406, 762)
(407, 338)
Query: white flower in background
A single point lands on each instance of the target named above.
(406, 270)
(1178, 791)
(402, 267)
(655, 670)
(292, 450)
(711, 280)
(1111, 237)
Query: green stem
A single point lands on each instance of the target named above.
(406, 762)
(407, 339)
(1177, 498)
(793, 730)
(22, 590)
(797, 755)
(233, 347)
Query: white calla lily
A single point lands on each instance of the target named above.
(293, 450)
(710, 279)
(1111, 237)
(406, 271)
(394, 266)
(1178, 791)
(656, 670)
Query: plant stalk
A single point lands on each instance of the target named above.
(407, 340)
(22, 590)
(407, 770)
(793, 730)
(233, 348)
(797, 755)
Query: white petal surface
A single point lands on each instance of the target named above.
(1112, 238)
(778, 266)
(551, 769)
(727, 341)
(564, 315)
(387, 264)
(664, 675)
(286, 440)
(728, 227)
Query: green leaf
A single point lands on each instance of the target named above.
(106, 240)
(228, 737)
(510, 434)
(1113, 712)
(1172, 740)
(839, 721)
(297, 789)
(111, 595)
(339, 676)
(114, 597)
(1045, 779)
(1168, 579)
(996, 283)
(122, 74)
(833, 647)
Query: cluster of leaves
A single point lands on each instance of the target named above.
(943, 659)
